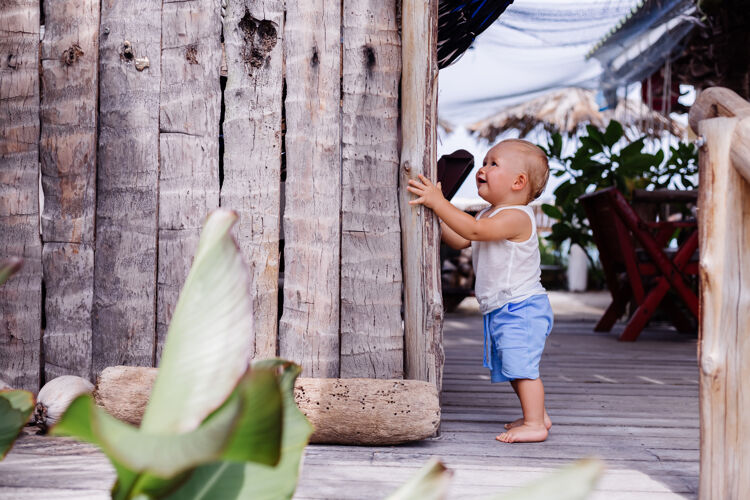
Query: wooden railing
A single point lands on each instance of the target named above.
(722, 119)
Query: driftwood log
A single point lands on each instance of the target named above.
(345, 411)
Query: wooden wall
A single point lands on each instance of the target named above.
(136, 136)
(21, 296)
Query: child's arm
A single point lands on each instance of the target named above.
(453, 239)
(507, 225)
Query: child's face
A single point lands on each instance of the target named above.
(498, 177)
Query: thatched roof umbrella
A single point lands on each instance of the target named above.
(567, 111)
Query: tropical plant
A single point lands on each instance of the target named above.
(599, 162)
(15, 406)
(214, 426)
(15, 409)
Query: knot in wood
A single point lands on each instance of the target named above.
(71, 55)
(259, 37)
(12, 61)
(191, 54)
(710, 365)
(127, 51)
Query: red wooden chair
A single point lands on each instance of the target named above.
(636, 265)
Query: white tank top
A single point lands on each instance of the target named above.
(506, 271)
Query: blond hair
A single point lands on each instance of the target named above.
(535, 164)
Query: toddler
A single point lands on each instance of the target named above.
(505, 252)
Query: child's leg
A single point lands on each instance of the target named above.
(531, 394)
(516, 423)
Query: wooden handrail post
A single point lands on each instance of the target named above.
(724, 344)
(423, 304)
(741, 148)
(714, 102)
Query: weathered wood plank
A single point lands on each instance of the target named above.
(89, 472)
(70, 83)
(252, 151)
(372, 336)
(21, 296)
(725, 313)
(32, 493)
(423, 305)
(309, 326)
(127, 184)
(190, 105)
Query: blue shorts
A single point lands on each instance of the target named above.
(514, 337)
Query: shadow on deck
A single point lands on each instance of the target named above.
(635, 405)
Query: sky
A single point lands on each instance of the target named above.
(535, 47)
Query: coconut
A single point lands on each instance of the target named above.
(56, 396)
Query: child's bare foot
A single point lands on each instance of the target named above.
(524, 433)
(519, 422)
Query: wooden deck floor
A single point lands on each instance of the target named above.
(634, 405)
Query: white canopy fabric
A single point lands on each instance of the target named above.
(534, 47)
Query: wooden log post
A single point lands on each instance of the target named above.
(309, 326)
(70, 55)
(252, 151)
(724, 344)
(190, 105)
(127, 184)
(346, 411)
(423, 305)
(372, 336)
(21, 296)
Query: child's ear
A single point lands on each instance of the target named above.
(520, 181)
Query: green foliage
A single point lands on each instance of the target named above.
(599, 163)
(549, 256)
(214, 428)
(15, 406)
(679, 170)
(208, 341)
(252, 480)
(15, 409)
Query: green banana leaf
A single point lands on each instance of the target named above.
(210, 336)
(246, 428)
(164, 455)
(430, 483)
(15, 409)
(227, 480)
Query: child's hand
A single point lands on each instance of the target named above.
(429, 194)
